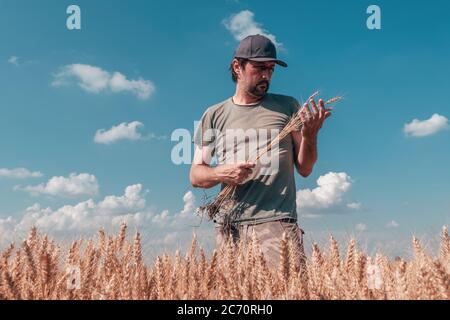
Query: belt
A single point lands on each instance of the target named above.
(291, 220)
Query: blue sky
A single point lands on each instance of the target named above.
(170, 60)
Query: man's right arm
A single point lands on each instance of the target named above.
(202, 175)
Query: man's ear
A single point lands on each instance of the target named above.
(236, 67)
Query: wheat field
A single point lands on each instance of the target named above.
(111, 267)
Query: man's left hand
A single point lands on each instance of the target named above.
(313, 121)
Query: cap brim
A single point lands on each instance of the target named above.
(279, 62)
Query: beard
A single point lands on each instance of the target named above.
(258, 90)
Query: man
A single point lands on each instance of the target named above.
(265, 199)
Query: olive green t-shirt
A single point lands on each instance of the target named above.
(239, 133)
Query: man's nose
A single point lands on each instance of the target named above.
(266, 74)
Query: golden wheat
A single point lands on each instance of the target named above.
(113, 268)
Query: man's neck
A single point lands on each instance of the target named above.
(242, 97)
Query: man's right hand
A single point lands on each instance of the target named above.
(234, 174)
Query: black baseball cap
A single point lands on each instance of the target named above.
(258, 48)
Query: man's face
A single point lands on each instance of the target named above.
(256, 77)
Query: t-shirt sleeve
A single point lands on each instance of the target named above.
(294, 106)
(204, 132)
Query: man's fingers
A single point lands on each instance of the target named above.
(321, 108)
(243, 174)
(246, 165)
(314, 106)
(306, 110)
(305, 114)
(302, 115)
(321, 104)
(247, 173)
(250, 165)
(246, 170)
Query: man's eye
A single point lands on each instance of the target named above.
(262, 68)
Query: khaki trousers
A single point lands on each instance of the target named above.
(269, 235)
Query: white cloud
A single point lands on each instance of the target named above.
(86, 216)
(327, 197)
(128, 131)
(95, 80)
(159, 231)
(189, 205)
(7, 232)
(418, 128)
(124, 131)
(329, 193)
(154, 136)
(142, 88)
(161, 219)
(72, 186)
(13, 60)
(392, 224)
(242, 24)
(19, 173)
(132, 200)
(361, 227)
(354, 205)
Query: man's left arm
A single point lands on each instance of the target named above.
(305, 152)
(305, 140)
